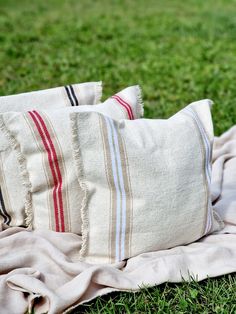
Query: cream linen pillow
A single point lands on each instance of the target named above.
(146, 183)
(57, 97)
(11, 201)
(42, 141)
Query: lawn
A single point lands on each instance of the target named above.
(178, 51)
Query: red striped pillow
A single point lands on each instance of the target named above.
(42, 141)
(11, 201)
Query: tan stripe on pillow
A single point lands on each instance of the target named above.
(146, 183)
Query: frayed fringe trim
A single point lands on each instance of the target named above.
(98, 92)
(23, 173)
(80, 177)
(140, 106)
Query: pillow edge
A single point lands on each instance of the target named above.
(80, 178)
(24, 175)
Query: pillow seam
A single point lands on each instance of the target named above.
(15, 145)
(82, 184)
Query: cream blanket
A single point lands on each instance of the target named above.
(39, 268)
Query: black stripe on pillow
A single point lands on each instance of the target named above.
(73, 95)
(69, 95)
(3, 212)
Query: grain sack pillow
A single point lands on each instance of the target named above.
(11, 201)
(42, 141)
(57, 97)
(146, 183)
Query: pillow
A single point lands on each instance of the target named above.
(146, 183)
(57, 97)
(11, 201)
(42, 142)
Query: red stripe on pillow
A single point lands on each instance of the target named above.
(54, 166)
(124, 104)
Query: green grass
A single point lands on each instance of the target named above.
(178, 51)
(209, 296)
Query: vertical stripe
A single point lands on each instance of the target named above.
(73, 95)
(47, 171)
(122, 188)
(129, 205)
(55, 170)
(62, 168)
(207, 147)
(50, 161)
(125, 105)
(208, 166)
(115, 177)
(112, 188)
(69, 95)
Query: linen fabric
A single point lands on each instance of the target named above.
(88, 93)
(144, 181)
(42, 141)
(11, 201)
(224, 177)
(39, 269)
